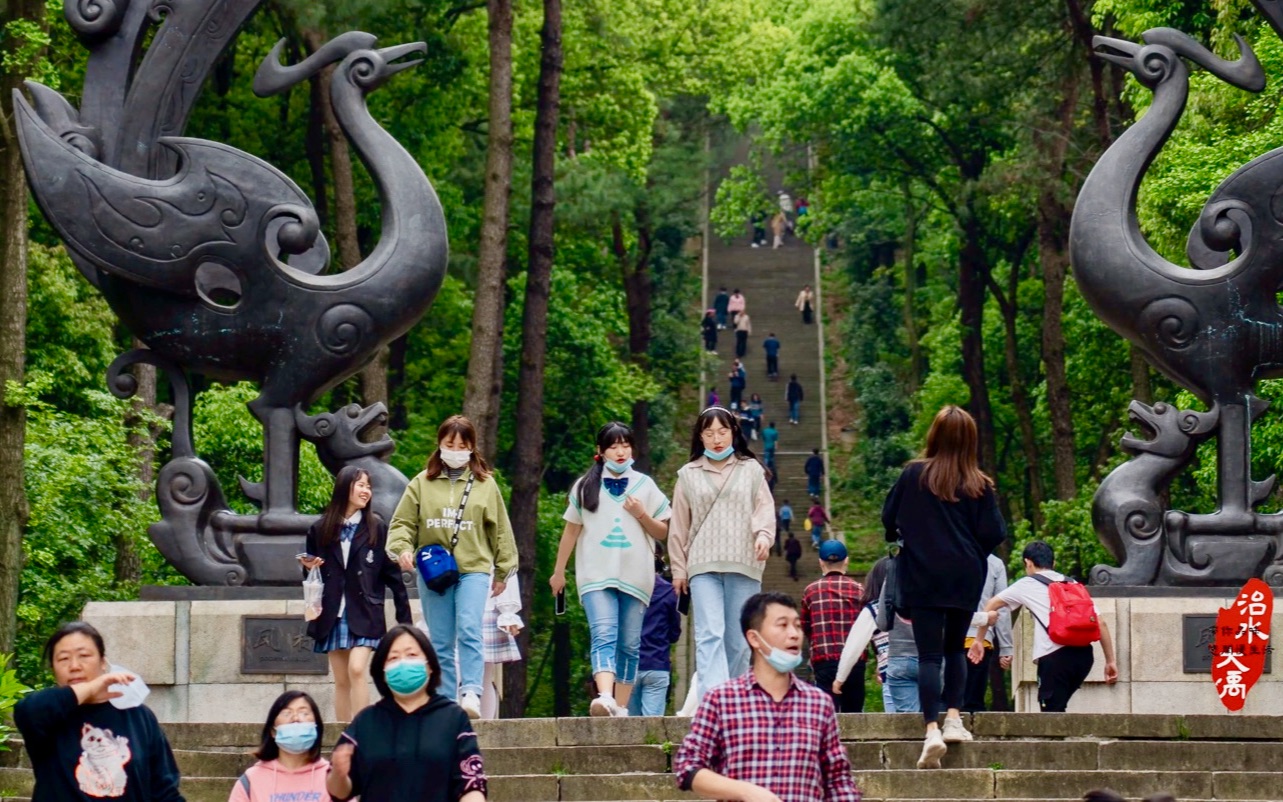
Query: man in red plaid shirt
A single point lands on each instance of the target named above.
(767, 736)
(830, 606)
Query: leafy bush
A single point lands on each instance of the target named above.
(230, 439)
(11, 690)
(83, 489)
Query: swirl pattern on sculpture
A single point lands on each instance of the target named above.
(343, 328)
(95, 19)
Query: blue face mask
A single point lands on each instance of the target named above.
(296, 738)
(718, 456)
(780, 660)
(618, 467)
(408, 676)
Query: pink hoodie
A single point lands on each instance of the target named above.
(269, 781)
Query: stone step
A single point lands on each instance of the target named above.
(1029, 755)
(1014, 757)
(887, 784)
(1175, 731)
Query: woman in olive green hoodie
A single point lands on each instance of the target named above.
(426, 516)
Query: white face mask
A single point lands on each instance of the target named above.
(455, 459)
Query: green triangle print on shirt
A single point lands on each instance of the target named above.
(616, 539)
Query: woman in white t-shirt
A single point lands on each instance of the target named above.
(614, 517)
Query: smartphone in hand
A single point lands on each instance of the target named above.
(561, 603)
(684, 603)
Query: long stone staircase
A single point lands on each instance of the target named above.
(770, 280)
(1014, 757)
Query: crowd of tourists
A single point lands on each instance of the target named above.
(936, 614)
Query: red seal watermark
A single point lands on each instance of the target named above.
(1242, 642)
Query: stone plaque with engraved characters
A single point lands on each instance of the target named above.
(278, 644)
(1199, 641)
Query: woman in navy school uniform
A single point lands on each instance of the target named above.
(348, 544)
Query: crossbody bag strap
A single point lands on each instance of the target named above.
(695, 530)
(1048, 583)
(458, 513)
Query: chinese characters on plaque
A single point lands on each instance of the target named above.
(273, 644)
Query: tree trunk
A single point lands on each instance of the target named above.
(340, 163)
(1053, 255)
(1083, 32)
(1019, 395)
(374, 376)
(13, 326)
(639, 293)
(128, 567)
(314, 146)
(1142, 389)
(484, 391)
(1052, 230)
(916, 361)
(398, 415)
(527, 473)
(973, 267)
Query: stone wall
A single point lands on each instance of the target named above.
(1147, 640)
(189, 654)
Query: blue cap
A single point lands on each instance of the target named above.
(832, 551)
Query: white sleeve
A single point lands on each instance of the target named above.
(510, 600)
(857, 640)
(1014, 595)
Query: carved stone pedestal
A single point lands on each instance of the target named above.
(1147, 625)
(208, 654)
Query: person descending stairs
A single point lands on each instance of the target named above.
(767, 282)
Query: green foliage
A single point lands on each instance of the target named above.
(84, 492)
(740, 196)
(232, 440)
(542, 619)
(11, 691)
(1069, 532)
(24, 45)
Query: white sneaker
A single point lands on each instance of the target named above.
(471, 705)
(602, 706)
(616, 711)
(954, 732)
(933, 748)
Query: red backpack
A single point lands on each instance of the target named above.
(1073, 615)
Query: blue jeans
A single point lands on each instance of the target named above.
(902, 685)
(454, 623)
(817, 534)
(615, 625)
(721, 652)
(813, 485)
(795, 410)
(650, 694)
(888, 701)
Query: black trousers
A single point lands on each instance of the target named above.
(940, 634)
(741, 343)
(772, 365)
(852, 698)
(973, 697)
(1060, 674)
